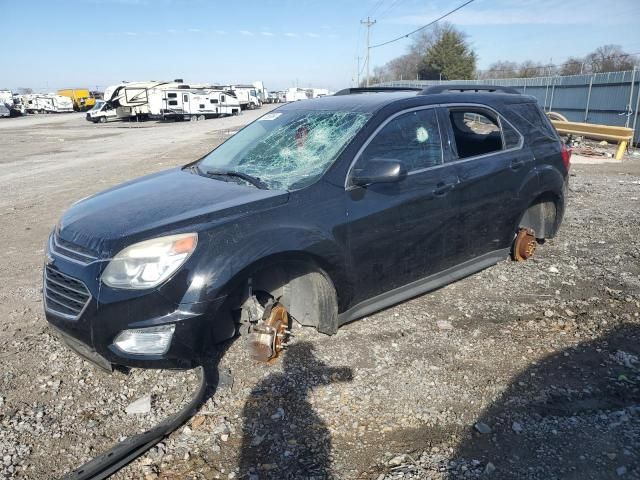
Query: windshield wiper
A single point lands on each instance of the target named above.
(255, 181)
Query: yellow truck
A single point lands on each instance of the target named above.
(82, 98)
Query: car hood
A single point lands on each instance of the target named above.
(160, 204)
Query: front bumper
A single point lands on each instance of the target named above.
(107, 312)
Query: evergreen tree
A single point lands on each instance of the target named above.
(449, 56)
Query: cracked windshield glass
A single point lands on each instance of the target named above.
(286, 150)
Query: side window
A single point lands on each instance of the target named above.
(201, 105)
(476, 132)
(173, 102)
(510, 135)
(214, 100)
(412, 138)
(221, 98)
(172, 95)
(185, 98)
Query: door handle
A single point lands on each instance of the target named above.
(517, 164)
(442, 189)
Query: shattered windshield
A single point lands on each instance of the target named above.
(286, 150)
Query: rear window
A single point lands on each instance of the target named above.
(533, 122)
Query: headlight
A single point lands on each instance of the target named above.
(149, 263)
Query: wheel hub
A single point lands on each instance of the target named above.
(268, 335)
(524, 245)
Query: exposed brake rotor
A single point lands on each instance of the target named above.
(524, 245)
(268, 335)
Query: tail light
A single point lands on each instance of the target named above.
(566, 156)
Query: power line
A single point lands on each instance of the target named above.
(424, 26)
(388, 9)
(375, 7)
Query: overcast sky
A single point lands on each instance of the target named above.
(52, 44)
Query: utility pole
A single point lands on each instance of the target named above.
(369, 23)
(358, 71)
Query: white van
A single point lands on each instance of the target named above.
(102, 112)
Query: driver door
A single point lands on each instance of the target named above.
(399, 232)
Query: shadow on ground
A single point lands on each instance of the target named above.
(573, 415)
(283, 437)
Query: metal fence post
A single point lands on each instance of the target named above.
(635, 116)
(553, 88)
(546, 91)
(586, 109)
(633, 81)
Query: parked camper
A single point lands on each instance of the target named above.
(130, 99)
(82, 98)
(47, 103)
(17, 107)
(6, 97)
(191, 104)
(294, 94)
(317, 92)
(102, 112)
(6, 103)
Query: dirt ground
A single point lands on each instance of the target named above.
(525, 370)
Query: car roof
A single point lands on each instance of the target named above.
(371, 102)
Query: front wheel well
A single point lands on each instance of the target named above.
(304, 288)
(543, 215)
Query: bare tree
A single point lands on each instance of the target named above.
(610, 58)
(500, 70)
(573, 66)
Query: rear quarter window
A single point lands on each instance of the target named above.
(533, 123)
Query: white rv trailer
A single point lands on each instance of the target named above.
(294, 94)
(17, 106)
(191, 104)
(6, 97)
(317, 92)
(47, 103)
(6, 101)
(130, 99)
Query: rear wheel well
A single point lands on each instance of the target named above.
(543, 215)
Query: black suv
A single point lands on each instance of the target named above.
(321, 211)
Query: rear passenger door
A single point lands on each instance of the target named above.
(492, 164)
(398, 232)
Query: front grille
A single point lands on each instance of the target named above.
(71, 251)
(64, 295)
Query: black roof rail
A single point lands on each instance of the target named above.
(434, 89)
(354, 90)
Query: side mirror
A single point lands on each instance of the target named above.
(379, 170)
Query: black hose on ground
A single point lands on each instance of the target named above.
(131, 448)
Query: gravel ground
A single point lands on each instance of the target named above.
(525, 370)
